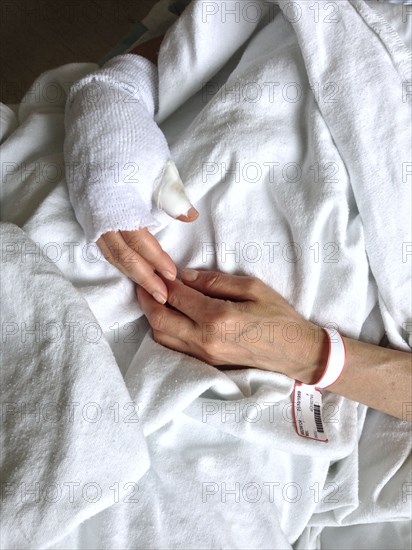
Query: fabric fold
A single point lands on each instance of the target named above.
(71, 437)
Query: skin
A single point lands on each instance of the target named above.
(138, 254)
(217, 317)
(196, 313)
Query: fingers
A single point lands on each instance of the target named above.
(170, 341)
(143, 242)
(133, 265)
(224, 285)
(163, 319)
(191, 302)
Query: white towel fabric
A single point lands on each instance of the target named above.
(276, 168)
(117, 160)
(60, 398)
(114, 151)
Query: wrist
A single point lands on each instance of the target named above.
(314, 360)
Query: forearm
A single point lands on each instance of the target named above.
(375, 376)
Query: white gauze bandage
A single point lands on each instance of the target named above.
(115, 154)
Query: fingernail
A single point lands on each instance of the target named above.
(189, 274)
(192, 212)
(191, 215)
(169, 275)
(159, 297)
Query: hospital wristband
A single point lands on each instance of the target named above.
(336, 360)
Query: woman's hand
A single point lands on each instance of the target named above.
(229, 320)
(138, 255)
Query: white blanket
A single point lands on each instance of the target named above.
(297, 154)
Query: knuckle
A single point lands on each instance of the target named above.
(122, 254)
(173, 298)
(136, 239)
(157, 320)
(211, 350)
(216, 317)
(185, 334)
(252, 285)
(114, 251)
(212, 281)
(157, 336)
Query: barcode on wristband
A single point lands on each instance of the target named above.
(318, 418)
(307, 412)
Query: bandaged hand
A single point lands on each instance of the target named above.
(118, 167)
(236, 321)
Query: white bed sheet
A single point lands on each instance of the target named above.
(42, 209)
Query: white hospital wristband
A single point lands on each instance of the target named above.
(336, 360)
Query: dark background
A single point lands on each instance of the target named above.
(37, 35)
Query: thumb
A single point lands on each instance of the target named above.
(223, 285)
(171, 197)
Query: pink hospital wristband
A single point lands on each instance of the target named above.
(336, 360)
